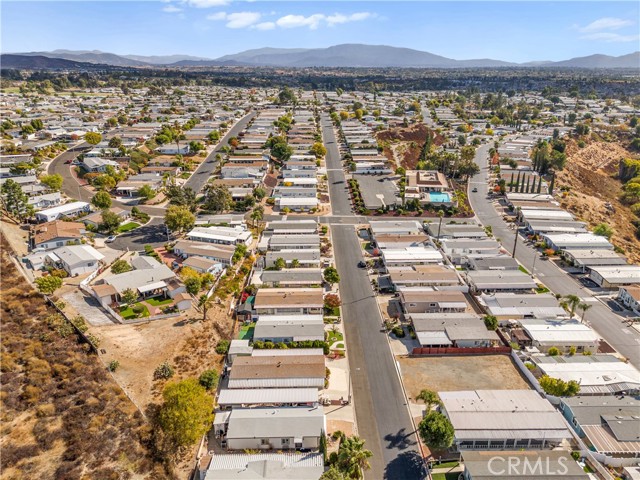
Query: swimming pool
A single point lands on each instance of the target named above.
(439, 197)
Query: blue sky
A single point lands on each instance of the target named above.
(506, 30)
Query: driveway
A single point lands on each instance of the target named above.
(89, 308)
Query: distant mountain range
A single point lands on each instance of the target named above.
(346, 55)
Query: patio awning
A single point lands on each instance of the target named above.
(152, 286)
(221, 418)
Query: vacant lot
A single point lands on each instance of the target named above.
(442, 374)
(188, 345)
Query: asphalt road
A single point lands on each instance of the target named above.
(199, 178)
(153, 233)
(381, 410)
(607, 324)
(338, 190)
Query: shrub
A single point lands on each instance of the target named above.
(121, 266)
(113, 365)
(398, 331)
(209, 379)
(163, 371)
(553, 352)
(138, 309)
(223, 347)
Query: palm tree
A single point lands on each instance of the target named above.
(570, 304)
(440, 215)
(295, 263)
(257, 214)
(583, 307)
(205, 303)
(429, 397)
(353, 457)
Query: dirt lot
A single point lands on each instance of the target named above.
(590, 173)
(187, 345)
(460, 373)
(402, 146)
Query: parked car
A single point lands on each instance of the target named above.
(68, 161)
(110, 239)
(475, 189)
(362, 264)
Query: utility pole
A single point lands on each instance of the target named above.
(515, 243)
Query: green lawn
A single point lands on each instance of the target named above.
(334, 337)
(332, 312)
(542, 290)
(339, 345)
(445, 465)
(246, 332)
(523, 270)
(446, 476)
(127, 227)
(158, 301)
(127, 313)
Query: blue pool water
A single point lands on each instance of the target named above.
(439, 197)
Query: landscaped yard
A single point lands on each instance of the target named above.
(446, 476)
(333, 337)
(127, 227)
(332, 312)
(128, 313)
(158, 301)
(246, 331)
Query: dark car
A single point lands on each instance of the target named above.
(475, 189)
(68, 161)
(362, 264)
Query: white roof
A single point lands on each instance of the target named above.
(285, 422)
(67, 207)
(75, 254)
(433, 338)
(266, 466)
(593, 373)
(618, 273)
(561, 332)
(223, 234)
(575, 239)
(266, 396)
(305, 201)
(414, 254)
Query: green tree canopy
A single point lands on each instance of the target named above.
(353, 458)
(54, 181)
(15, 200)
(331, 275)
(121, 266)
(48, 284)
(436, 430)
(217, 198)
(179, 219)
(110, 221)
(92, 138)
(101, 200)
(187, 412)
(559, 388)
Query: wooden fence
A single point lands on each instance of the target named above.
(460, 351)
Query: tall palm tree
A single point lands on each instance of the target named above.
(570, 304)
(205, 303)
(353, 457)
(440, 215)
(583, 307)
(257, 215)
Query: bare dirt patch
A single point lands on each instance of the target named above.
(402, 146)
(188, 345)
(444, 374)
(590, 173)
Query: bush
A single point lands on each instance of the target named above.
(138, 309)
(553, 352)
(120, 266)
(398, 331)
(113, 365)
(163, 371)
(222, 347)
(209, 379)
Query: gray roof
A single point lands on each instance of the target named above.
(494, 263)
(497, 279)
(482, 465)
(542, 305)
(265, 466)
(307, 254)
(139, 278)
(298, 327)
(266, 396)
(292, 275)
(76, 254)
(589, 410)
(286, 422)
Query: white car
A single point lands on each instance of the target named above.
(110, 239)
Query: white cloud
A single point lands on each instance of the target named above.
(217, 16)
(296, 21)
(611, 37)
(171, 9)
(206, 3)
(265, 26)
(338, 18)
(242, 19)
(606, 23)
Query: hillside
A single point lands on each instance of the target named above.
(590, 173)
(402, 146)
(63, 416)
(39, 61)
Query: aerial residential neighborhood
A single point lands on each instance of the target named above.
(324, 263)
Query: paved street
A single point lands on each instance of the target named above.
(608, 325)
(338, 190)
(381, 411)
